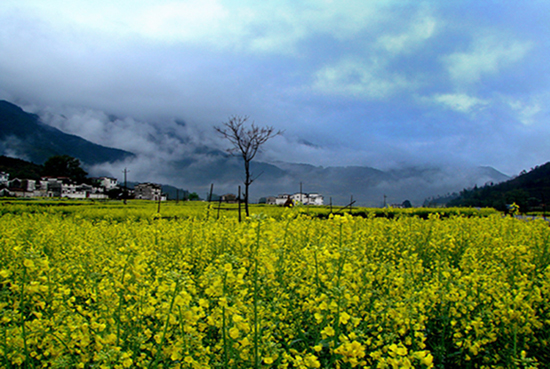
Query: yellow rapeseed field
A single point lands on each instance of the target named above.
(108, 287)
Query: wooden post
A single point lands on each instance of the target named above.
(125, 195)
(209, 200)
(211, 190)
(160, 198)
(239, 201)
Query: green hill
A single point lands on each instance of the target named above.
(530, 190)
(21, 169)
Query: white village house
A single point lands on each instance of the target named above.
(303, 198)
(108, 183)
(65, 187)
(308, 198)
(149, 191)
(49, 187)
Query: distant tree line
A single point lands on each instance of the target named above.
(55, 166)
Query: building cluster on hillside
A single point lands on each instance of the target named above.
(52, 187)
(103, 188)
(65, 187)
(302, 198)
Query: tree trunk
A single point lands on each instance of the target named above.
(246, 184)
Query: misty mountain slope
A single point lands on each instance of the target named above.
(372, 187)
(224, 170)
(24, 135)
(186, 156)
(368, 186)
(336, 182)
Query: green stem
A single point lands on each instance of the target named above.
(341, 263)
(224, 328)
(317, 280)
(161, 343)
(22, 317)
(256, 319)
(515, 340)
(5, 344)
(282, 255)
(120, 302)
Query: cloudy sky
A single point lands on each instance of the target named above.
(366, 82)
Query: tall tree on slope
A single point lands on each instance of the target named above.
(65, 166)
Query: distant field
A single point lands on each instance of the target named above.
(142, 209)
(107, 285)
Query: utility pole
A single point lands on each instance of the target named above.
(125, 171)
(385, 200)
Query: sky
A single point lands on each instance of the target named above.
(377, 83)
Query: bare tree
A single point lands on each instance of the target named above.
(246, 141)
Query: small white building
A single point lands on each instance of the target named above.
(308, 198)
(297, 198)
(23, 184)
(4, 178)
(316, 199)
(82, 191)
(282, 199)
(149, 191)
(53, 186)
(22, 187)
(108, 183)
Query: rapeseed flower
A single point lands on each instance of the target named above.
(105, 290)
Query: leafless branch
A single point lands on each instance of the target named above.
(246, 141)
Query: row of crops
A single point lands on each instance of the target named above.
(107, 286)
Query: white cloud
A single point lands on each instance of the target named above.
(460, 102)
(422, 28)
(527, 112)
(359, 79)
(267, 26)
(488, 55)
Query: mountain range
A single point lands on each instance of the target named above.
(26, 136)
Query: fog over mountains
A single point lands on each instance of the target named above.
(25, 136)
(183, 155)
